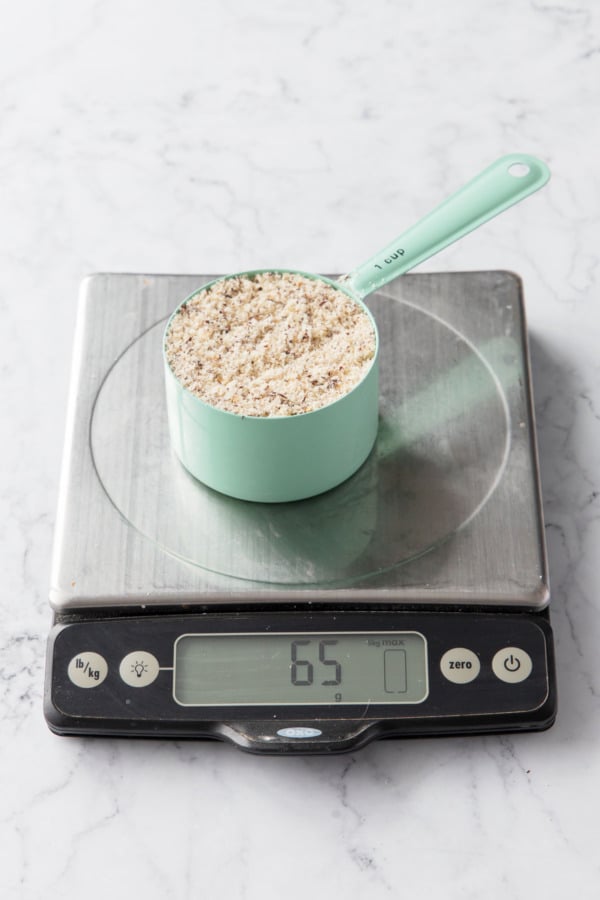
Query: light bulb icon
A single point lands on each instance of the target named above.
(138, 668)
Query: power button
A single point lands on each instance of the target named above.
(512, 665)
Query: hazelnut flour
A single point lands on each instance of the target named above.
(274, 344)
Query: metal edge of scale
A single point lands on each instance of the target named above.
(116, 309)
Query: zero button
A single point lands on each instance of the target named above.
(460, 665)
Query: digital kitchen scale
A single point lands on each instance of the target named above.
(410, 600)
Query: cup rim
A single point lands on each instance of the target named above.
(251, 272)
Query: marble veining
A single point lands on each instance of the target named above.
(218, 137)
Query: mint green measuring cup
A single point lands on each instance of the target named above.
(276, 459)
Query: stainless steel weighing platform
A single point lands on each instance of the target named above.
(440, 533)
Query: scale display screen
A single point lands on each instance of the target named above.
(300, 669)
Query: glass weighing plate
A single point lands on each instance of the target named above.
(442, 446)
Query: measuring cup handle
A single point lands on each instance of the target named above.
(508, 180)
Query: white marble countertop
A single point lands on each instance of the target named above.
(191, 137)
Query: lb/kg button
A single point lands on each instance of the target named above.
(512, 665)
(460, 665)
(87, 669)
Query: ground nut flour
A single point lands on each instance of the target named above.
(274, 344)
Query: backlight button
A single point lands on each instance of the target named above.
(139, 668)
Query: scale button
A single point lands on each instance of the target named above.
(511, 664)
(87, 669)
(460, 665)
(139, 668)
